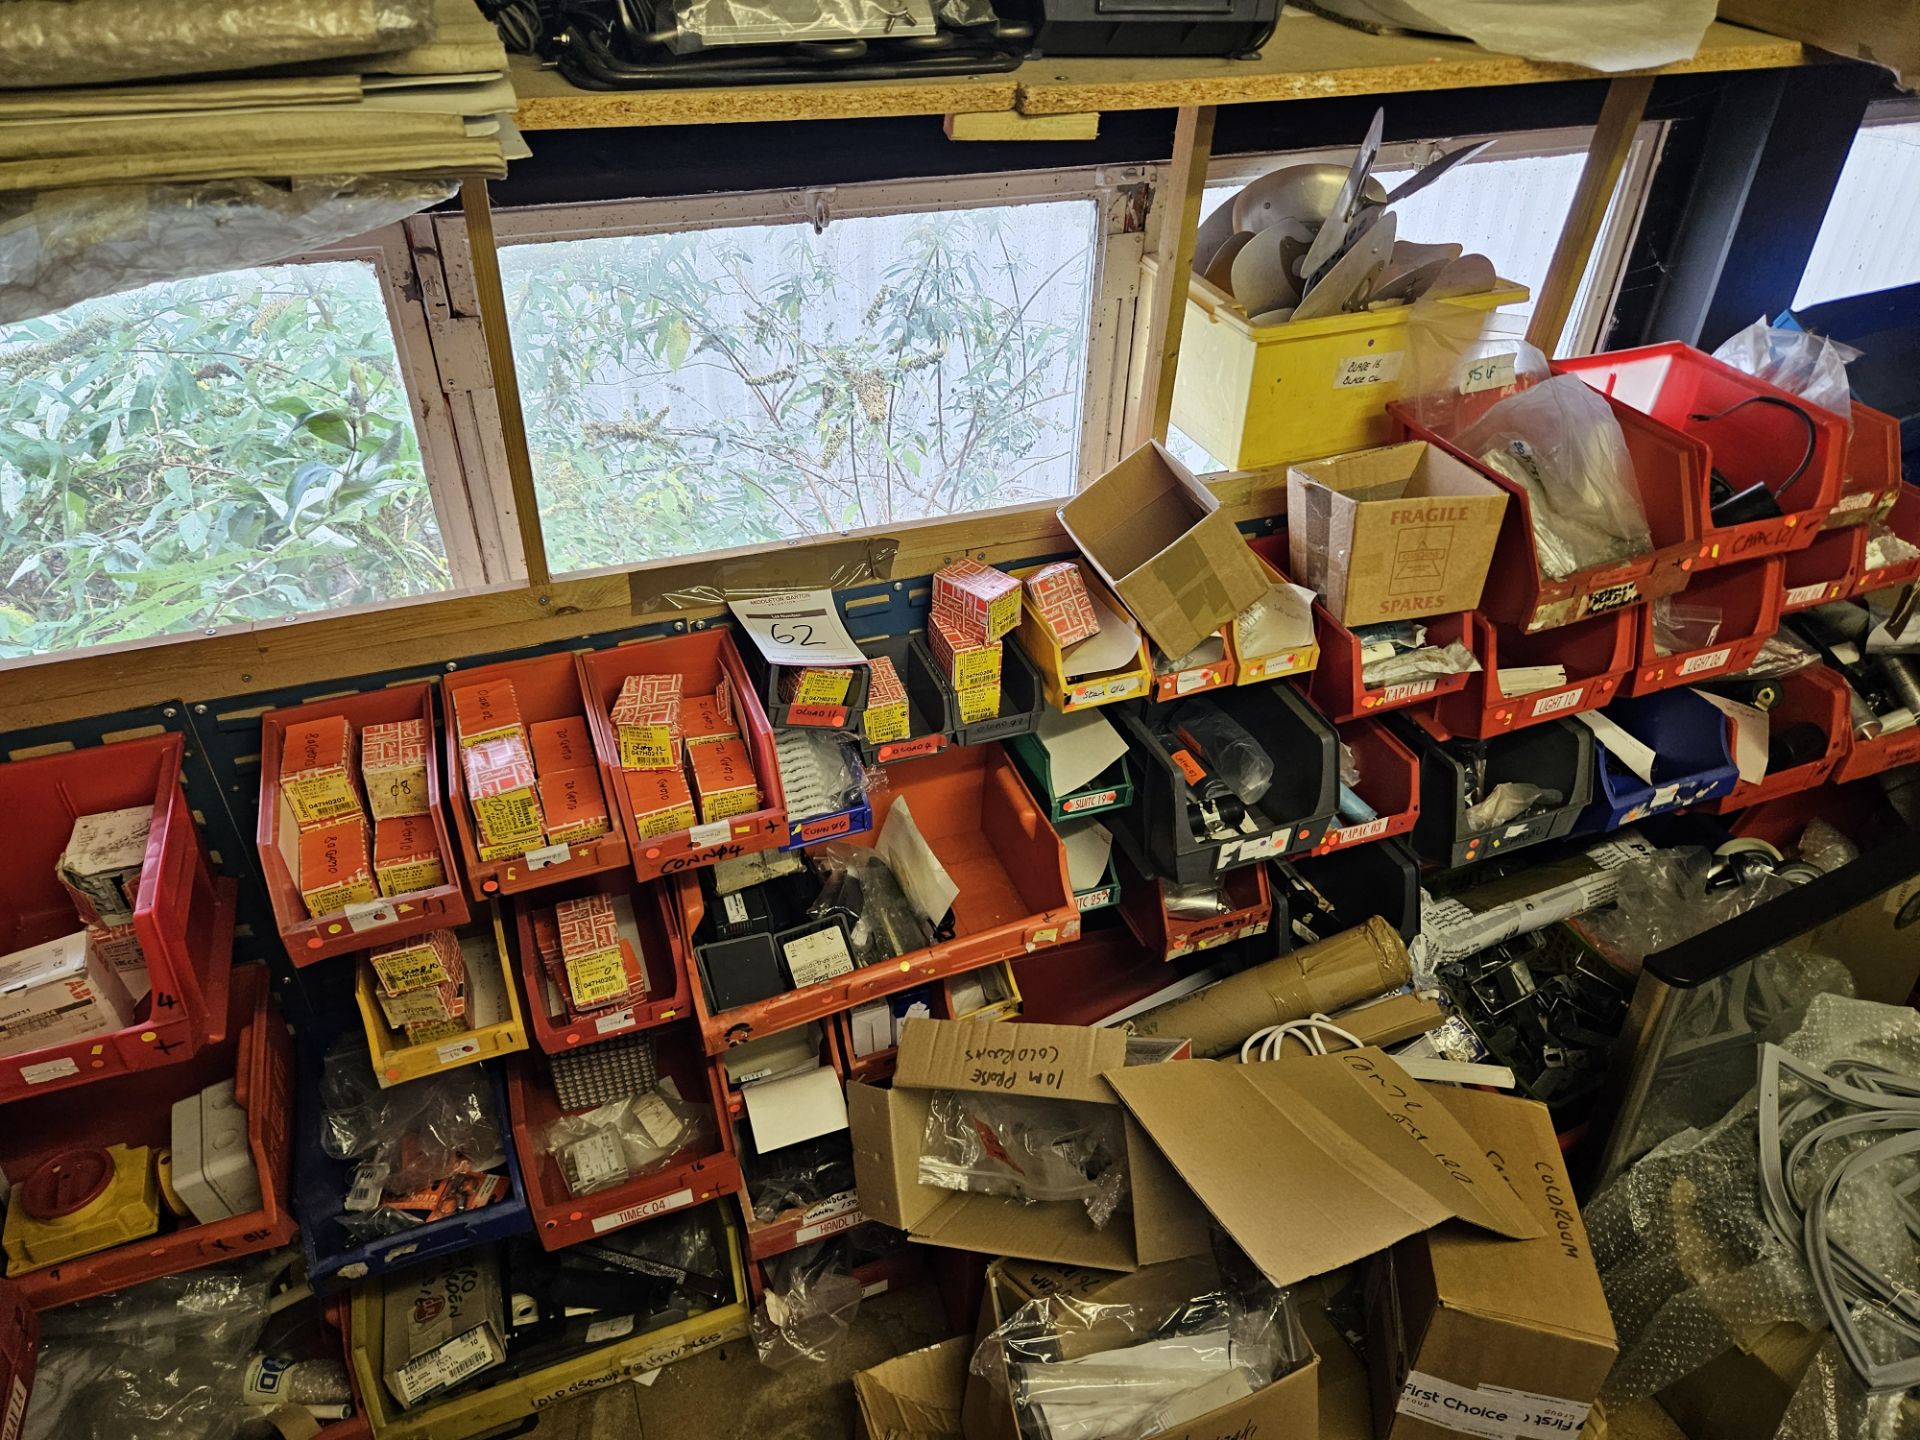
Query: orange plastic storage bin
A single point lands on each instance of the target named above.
(663, 953)
(1748, 599)
(1597, 653)
(1389, 783)
(1872, 478)
(308, 938)
(1813, 696)
(1143, 905)
(1828, 569)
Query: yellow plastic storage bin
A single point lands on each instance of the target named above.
(493, 1005)
(495, 1407)
(1255, 396)
(1132, 681)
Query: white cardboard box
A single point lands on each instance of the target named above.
(61, 990)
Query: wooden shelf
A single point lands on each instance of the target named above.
(1308, 58)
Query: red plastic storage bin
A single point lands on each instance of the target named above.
(560, 1217)
(1872, 478)
(1828, 569)
(1748, 598)
(1671, 471)
(664, 953)
(19, 1357)
(1813, 696)
(183, 917)
(1337, 689)
(1389, 782)
(995, 843)
(547, 688)
(138, 1110)
(1597, 653)
(1904, 521)
(309, 939)
(1884, 752)
(1680, 386)
(1102, 974)
(700, 658)
(1143, 905)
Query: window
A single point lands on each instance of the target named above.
(754, 368)
(213, 451)
(1866, 240)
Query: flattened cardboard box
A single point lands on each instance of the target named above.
(1059, 1062)
(1473, 1335)
(1392, 534)
(1159, 539)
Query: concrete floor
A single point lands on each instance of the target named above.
(728, 1392)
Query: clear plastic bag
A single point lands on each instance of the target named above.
(1229, 752)
(1032, 1149)
(1680, 625)
(1426, 662)
(1508, 801)
(706, 24)
(820, 771)
(1559, 441)
(611, 1144)
(1665, 897)
(1885, 548)
(1810, 366)
(1199, 901)
(1782, 653)
(860, 888)
(800, 1175)
(812, 1297)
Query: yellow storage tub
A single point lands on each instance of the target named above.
(1266, 395)
(1133, 681)
(493, 1003)
(494, 1407)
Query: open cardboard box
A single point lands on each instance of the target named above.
(917, 1394)
(1056, 1062)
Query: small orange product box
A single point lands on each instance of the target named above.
(814, 684)
(563, 744)
(423, 961)
(406, 855)
(335, 870)
(599, 970)
(662, 803)
(393, 767)
(967, 664)
(573, 805)
(500, 784)
(316, 770)
(1060, 596)
(706, 718)
(724, 781)
(646, 718)
(886, 713)
(977, 601)
(490, 711)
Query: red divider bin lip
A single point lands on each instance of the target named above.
(1813, 696)
(1389, 782)
(547, 688)
(1904, 521)
(1672, 473)
(700, 658)
(1674, 383)
(995, 843)
(1749, 600)
(309, 939)
(19, 1357)
(1828, 569)
(1885, 752)
(138, 1110)
(1143, 905)
(561, 1218)
(184, 934)
(1872, 477)
(664, 955)
(1597, 652)
(1337, 688)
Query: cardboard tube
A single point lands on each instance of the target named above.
(1354, 965)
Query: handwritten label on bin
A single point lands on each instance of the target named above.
(1357, 370)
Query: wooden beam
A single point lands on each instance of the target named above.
(506, 381)
(1011, 125)
(1620, 116)
(1176, 224)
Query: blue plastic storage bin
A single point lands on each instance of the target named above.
(1692, 760)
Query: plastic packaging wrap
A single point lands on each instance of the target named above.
(1810, 366)
(1200, 901)
(809, 1307)
(861, 889)
(1426, 662)
(1559, 441)
(60, 247)
(1782, 653)
(708, 24)
(1508, 801)
(1679, 625)
(820, 772)
(1230, 754)
(1884, 548)
(1672, 895)
(47, 43)
(1825, 848)
(637, 1135)
(1148, 1353)
(796, 1176)
(1035, 1150)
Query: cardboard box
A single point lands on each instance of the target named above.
(1159, 539)
(723, 780)
(885, 717)
(488, 711)
(1745, 1390)
(336, 869)
(442, 1322)
(595, 969)
(430, 959)
(500, 787)
(646, 722)
(62, 990)
(968, 664)
(393, 767)
(1468, 1334)
(430, 1005)
(119, 947)
(406, 855)
(1061, 602)
(425, 1032)
(706, 718)
(572, 805)
(316, 771)
(662, 803)
(1062, 1062)
(100, 867)
(976, 600)
(914, 1395)
(563, 744)
(1392, 534)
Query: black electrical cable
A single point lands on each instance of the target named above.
(1813, 431)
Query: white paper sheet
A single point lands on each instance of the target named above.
(801, 627)
(1113, 648)
(1637, 757)
(1089, 845)
(800, 1107)
(1079, 746)
(914, 864)
(1518, 680)
(1750, 731)
(1281, 620)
